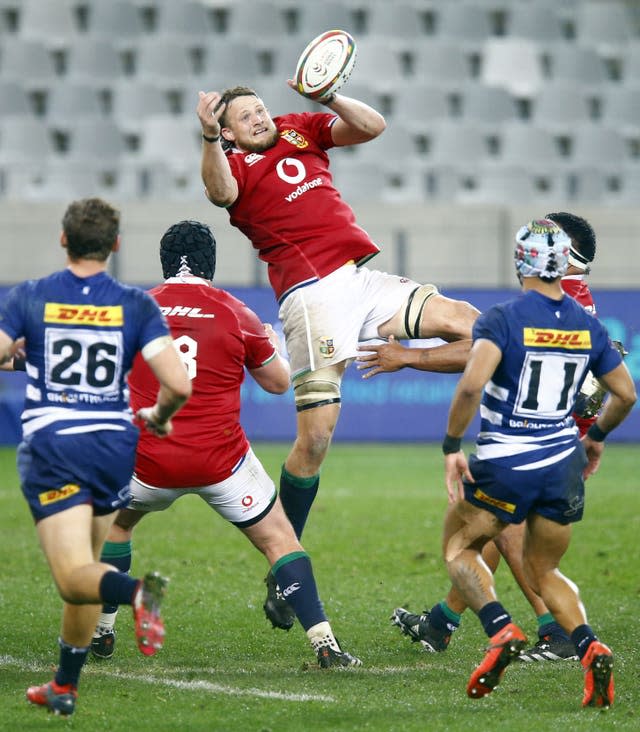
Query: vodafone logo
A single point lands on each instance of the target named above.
(291, 170)
(247, 501)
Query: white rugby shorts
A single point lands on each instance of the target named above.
(242, 498)
(324, 322)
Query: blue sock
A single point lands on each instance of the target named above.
(117, 553)
(582, 638)
(493, 618)
(297, 496)
(442, 618)
(117, 588)
(72, 660)
(294, 573)
(547, 626)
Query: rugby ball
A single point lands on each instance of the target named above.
(325, 64)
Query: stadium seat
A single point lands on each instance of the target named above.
(24, 140)
(578, 65)
(588, 185)
(396, 147)
(419, 106)
(463, 23)
(559, 106)
(629, 193)
(314, 18)
(605, 27)
(133, 102)
(538, 22)
(378, 63)
(28, 63)
(117, 21)
(96, 142)
(621, 109)
(524, 145)
(62, 182)
(398, 23)
(487, 106)
(14, 100)
(231, 61)
(495, 185)
(166, 183)
(358, 181)
(173, 142)
(68, 102)
(456, 144)
(260, 22)
(630, 63)
(94, 61)
(595, 145)
(163, 63)
(514, 64)
(53, 23)
(441, 62)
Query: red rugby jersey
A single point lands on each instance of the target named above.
(576, 287)
(217, 336)
(289, 209)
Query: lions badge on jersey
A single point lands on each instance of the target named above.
(295, 138)
(327, 349)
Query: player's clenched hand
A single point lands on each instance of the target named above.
(594, 452)
(150, 420)
(456, 468)
(386, 357)
(209, 110)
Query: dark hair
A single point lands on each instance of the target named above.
(91, 226)
(579, 230)
(188, 248)
(228, 95)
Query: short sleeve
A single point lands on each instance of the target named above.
(259, 349)
(12, 316)
(492, 326)
(608, 357)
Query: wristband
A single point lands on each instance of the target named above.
(596, 434)
(328, 100)
(451, 444)
(210, 139)
(19, 363)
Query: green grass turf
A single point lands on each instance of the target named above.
(374, 537)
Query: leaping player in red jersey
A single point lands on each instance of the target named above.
(272, 175)
(208, 453)
(433, 628)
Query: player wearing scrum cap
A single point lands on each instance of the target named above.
(528, 360)
(208, 453)
(272, 175)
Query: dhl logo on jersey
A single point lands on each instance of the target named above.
(58, 494)
(58, 312)
(552, 338)
(295, 138)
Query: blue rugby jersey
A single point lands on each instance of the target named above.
(547, 346)
(82, 334)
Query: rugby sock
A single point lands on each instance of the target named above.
(547, 626)
(443, 620)
(72, 660)
(493, 618)
(294, 576)
(297, 496)
(117, 588)
(582, 638)
(118, 554)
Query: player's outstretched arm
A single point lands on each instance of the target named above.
(449, 358)
(220, 185)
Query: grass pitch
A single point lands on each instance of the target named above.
(374, 538)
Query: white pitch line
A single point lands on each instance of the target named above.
(198, 685)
